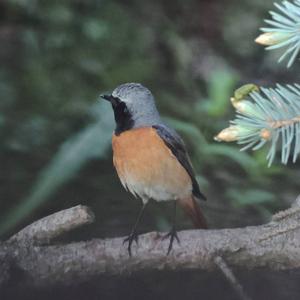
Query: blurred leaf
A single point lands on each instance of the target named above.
(220, 88)
(95, 29)
(260, 157)
(244, 160)
(188, 129)
(58, 13)
(253, 197)
(91, 142)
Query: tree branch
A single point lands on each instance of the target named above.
(275, 245)
(224, 268)
(55, 225)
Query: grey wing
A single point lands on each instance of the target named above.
(176, 145)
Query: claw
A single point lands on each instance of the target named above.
(172, 235)
(132, 237)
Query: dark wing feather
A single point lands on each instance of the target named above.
(176, 145)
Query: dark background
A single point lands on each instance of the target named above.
(57, 57)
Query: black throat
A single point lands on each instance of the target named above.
(123, 117)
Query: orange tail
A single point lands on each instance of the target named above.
(192, 208)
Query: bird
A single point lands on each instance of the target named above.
(151, 159)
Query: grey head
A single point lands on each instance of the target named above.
(133, 106)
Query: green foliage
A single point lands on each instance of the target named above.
(256, 199)
(72, 48)
(220, 85)
(252, 197)
(90, 143)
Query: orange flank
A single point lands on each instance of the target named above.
(147, 167)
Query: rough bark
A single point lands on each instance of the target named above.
(275, 245)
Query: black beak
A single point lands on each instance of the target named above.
(113, 100)
(107, 97)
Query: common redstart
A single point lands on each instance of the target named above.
(150, 158)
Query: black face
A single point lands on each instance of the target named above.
(123, 117)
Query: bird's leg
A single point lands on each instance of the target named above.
(133, 236)
(173, 233)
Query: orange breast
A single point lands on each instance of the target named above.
(147, 167)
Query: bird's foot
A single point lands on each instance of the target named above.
(173, 236)
(133, 236)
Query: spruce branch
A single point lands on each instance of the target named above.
(266, 116)
(284, 31)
